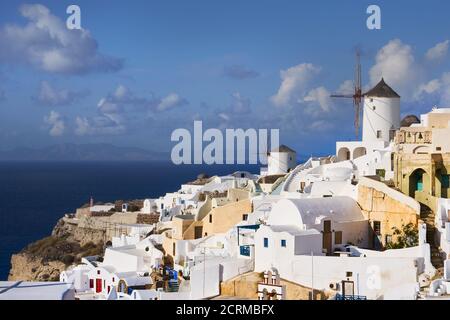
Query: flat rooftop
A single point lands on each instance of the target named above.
(21, 290)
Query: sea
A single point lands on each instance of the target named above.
(34, 195)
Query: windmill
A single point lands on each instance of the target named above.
(357, 95)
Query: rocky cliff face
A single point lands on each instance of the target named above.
(45, 259)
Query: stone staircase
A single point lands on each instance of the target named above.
(173, 286)
(428, 217)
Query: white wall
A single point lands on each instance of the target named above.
(121, 261)
(281, 162)
(265, 258)
(384, 116)
(205, 283)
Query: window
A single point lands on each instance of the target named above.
(266, 242)
(210, 218)
(245, 217)
(379, 134)
(391, 134)
(283, 243)
(392, 162)
(338, 237)
(91, 283)
(377, 227)
(438, 148)
(173, 249)
(98, 271)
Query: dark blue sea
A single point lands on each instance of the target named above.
(34, 195)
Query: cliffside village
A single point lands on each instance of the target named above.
(370, 222)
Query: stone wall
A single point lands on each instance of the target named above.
(380, 204)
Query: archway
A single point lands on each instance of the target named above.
(417, 182)
(273, 295)
(265, 294)
(359, 152)
(343, 154)
(421, 150)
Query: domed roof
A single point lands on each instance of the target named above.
(382, 90)
(409, 120)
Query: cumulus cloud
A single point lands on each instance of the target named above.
(117, 108)
(320, 96)
(45, 43)
(171, 101)
(396, 64)
(239, 72)
(294, 83)
(428, 88)
(49, 95)
(346, 87)
(438, 52)
(56, 123)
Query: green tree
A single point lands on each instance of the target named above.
(407, 236)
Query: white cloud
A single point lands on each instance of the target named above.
(56, 123)
(171, 101)
(437, 52)
(46, 44)
(396, 64)
(320, 96)
(100, 125)
(48, 95)
(294, 83)
(117, 109)
(430, 87)
(346, 87)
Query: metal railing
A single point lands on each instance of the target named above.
(349, 297)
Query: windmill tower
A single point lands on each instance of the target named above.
(357, 94)
(381, 112)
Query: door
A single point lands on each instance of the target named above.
(198, 231)
(98, 285)
(377, 235)
(348, 288)
(327, 237)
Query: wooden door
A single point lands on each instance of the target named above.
(327, 236)
(98, 285)
(198, 231)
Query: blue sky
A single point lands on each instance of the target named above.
(140, 69)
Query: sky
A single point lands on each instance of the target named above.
(137, 70)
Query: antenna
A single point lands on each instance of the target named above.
(357, 95)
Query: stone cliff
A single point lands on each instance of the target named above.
(45, 259)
